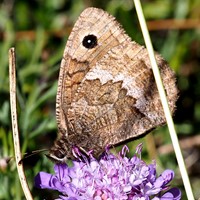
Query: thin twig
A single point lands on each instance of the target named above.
(185, 143)
(173, 24)
(153, 25)
(12, 77)
(172, 131)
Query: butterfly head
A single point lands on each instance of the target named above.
(61, 151)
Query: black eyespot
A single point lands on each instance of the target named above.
(89, 41)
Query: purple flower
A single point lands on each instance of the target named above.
(113, 177)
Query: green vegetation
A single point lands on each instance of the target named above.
(39, 30)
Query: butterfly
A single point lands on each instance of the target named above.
(106, 89)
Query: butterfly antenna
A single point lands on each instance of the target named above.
(32, 153)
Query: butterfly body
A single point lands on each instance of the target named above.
(106, 90)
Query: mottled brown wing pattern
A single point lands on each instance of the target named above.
(106, 89)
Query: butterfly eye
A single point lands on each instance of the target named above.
(89, 41)
(59, 155)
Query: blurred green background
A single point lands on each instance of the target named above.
(39, 29)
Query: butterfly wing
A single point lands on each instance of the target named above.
(106, 90)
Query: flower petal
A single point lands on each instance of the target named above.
(42, 180)
(172, 194)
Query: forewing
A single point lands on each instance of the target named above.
(78, 60)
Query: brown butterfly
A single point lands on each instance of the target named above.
(106, 90)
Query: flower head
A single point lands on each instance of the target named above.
(113, 177)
